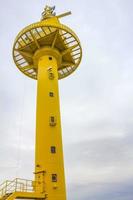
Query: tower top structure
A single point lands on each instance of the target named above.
(45, 37)
(48, 12)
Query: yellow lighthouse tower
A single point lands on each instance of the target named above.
(45, 51)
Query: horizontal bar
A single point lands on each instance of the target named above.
(64, 14)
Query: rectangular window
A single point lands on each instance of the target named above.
(53, 149)
(52, 121)
(54, 177)
(51, 94)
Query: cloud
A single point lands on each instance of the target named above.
(96, 101)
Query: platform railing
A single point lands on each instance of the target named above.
(17, 185)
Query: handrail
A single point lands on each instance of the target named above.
(2, 184)
(19, 185)
(5, 182)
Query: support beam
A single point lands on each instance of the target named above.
(27, 67)
(68, 50)
(24, 53)
(55, 38)
(35, 40)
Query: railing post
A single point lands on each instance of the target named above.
(16, 184)
(6, 188)
(2, 192)
(26, 186)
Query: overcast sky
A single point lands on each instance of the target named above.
(96, 100)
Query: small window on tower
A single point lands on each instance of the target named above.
(50, 58)
(52, 121)
(51, 94)
(53, 149)
(54, 177)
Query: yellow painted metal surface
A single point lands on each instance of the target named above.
(45, 51)
(48, 133)
(47, 33)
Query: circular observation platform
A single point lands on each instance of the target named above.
(53, 36)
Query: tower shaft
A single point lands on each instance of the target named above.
(49, 165)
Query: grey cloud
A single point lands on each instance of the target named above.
(96, 101)
(113, 191)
